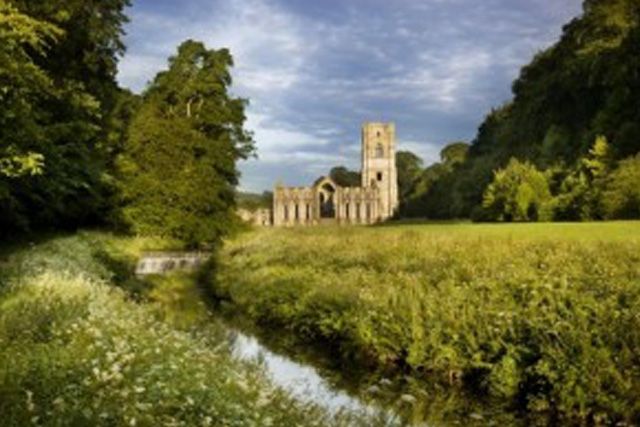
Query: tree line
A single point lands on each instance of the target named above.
(78, 150)
(565, 148)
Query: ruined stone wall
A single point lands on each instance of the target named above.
(259, 217)
(374, 201)
(301, 205)
(357, 205)
(294, 206)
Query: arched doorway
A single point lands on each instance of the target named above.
(327, 204)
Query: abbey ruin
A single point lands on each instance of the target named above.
(326, 202)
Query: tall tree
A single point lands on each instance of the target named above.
(345, 177)
(178, 168)
(454, 154)
(409, 167)
(66, 96)
(427, 196)
(22, 84)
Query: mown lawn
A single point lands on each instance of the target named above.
(82, 343)
(546, 316)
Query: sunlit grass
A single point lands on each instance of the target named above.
(541, 314)
(74, 350)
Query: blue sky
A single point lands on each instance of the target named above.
(315, 70)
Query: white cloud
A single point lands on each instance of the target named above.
(275, 143)
(434, 67)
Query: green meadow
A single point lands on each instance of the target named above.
(541, 316)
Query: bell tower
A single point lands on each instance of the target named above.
(379, 164)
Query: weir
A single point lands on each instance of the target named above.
(164, 262)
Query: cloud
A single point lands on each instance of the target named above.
(314, 71)
(275, 143)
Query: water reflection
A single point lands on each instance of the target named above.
(302, 381)
(313, 373)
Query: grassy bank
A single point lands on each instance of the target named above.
(77, 350)
(544, 316)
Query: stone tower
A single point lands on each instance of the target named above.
(379, 164)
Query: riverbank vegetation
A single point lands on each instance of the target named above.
(541, 316)
(76, 350)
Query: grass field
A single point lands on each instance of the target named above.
(546, 316)
(76, 349)
(574, 231)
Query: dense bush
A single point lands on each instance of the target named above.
(518, 192)
(621, 198)
(548, 322)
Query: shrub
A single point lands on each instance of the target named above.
(518, 192)
(621, 198)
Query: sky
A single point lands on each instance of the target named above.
(315, 70)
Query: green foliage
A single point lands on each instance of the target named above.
(454, 154)
(430, 187)
(409, 168)
(345, 177)
(544, 316)
(178, 168)
(57, 82)
(76, 351)
(579, 88)
(621, 196)
(519, 192)
(253, 201)
(581, 193)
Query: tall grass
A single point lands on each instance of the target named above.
(74, 350)
(544, 317)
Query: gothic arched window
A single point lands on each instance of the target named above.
(379, 151)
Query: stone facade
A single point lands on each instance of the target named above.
(326, 202)
(260, 217)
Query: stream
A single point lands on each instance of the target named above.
(311, 374)
(302, 381)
